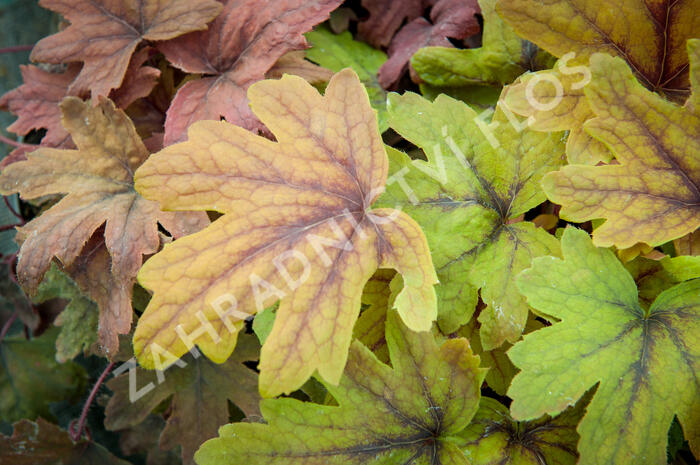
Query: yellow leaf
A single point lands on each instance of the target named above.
(650, 36)
(296, 227)
(653, 195)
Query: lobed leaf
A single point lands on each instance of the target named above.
(638, 358)
(650, 36)
(339, 51)
(103, 35)
(405, 414)
(263, 30)
(653, 194)
(98, 181)
(476, 179)
(296, 227)
(199, 390)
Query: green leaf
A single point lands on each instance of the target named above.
(43, 443)
(30, 378)
(646, 363)
(199, 391)
(404, 414)
(655, 276)
(503, 57)
(78, 320)
(494, 438)
(378, 296)
(339, 51)
(476, 179)
(501, 370)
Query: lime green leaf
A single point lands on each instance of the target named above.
(655, 276)
(494, 438)
(378, 296)
(646, 363)
(31, 378)
(199, 391)
(339, 51)
(404, 414)
(476, 179)
(43, 443)
(503, 57)
(78, 320)
(501, 369)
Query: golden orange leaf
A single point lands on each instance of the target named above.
(296, 226)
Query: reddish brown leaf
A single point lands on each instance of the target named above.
(36, 103)
(138, 82)
(450, 18)
(386, 17)
(240, 46)
(104, 34)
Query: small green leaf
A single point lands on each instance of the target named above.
(646, 363)
(339, 51)
(503, 57)
(494, 438)
(385, 415)
(78, 320)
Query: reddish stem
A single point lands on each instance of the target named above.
(7, 227)
(17, 48)
(6, 326)
(14, 143)
(76, 434)
(12, 210)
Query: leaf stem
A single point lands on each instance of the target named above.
(6, 326)
(14, 212)
(75, 435)
(17, 48)
(14, 143)
(7, 227)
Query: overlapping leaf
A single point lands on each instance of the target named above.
(239, 47)
(297, 226)
(455, 19)
(199, 390)
(43, 443)
(30, 378)
(340, 51)
(653, 195)
(476, 179)
(98, 178)
(646, 363)
(386, 17)
(36, 102)
(503, 57)
(494, 438)
(650, 36)
(78, 320)
(104, 34)
(406, 414)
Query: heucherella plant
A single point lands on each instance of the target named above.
(337, 232)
